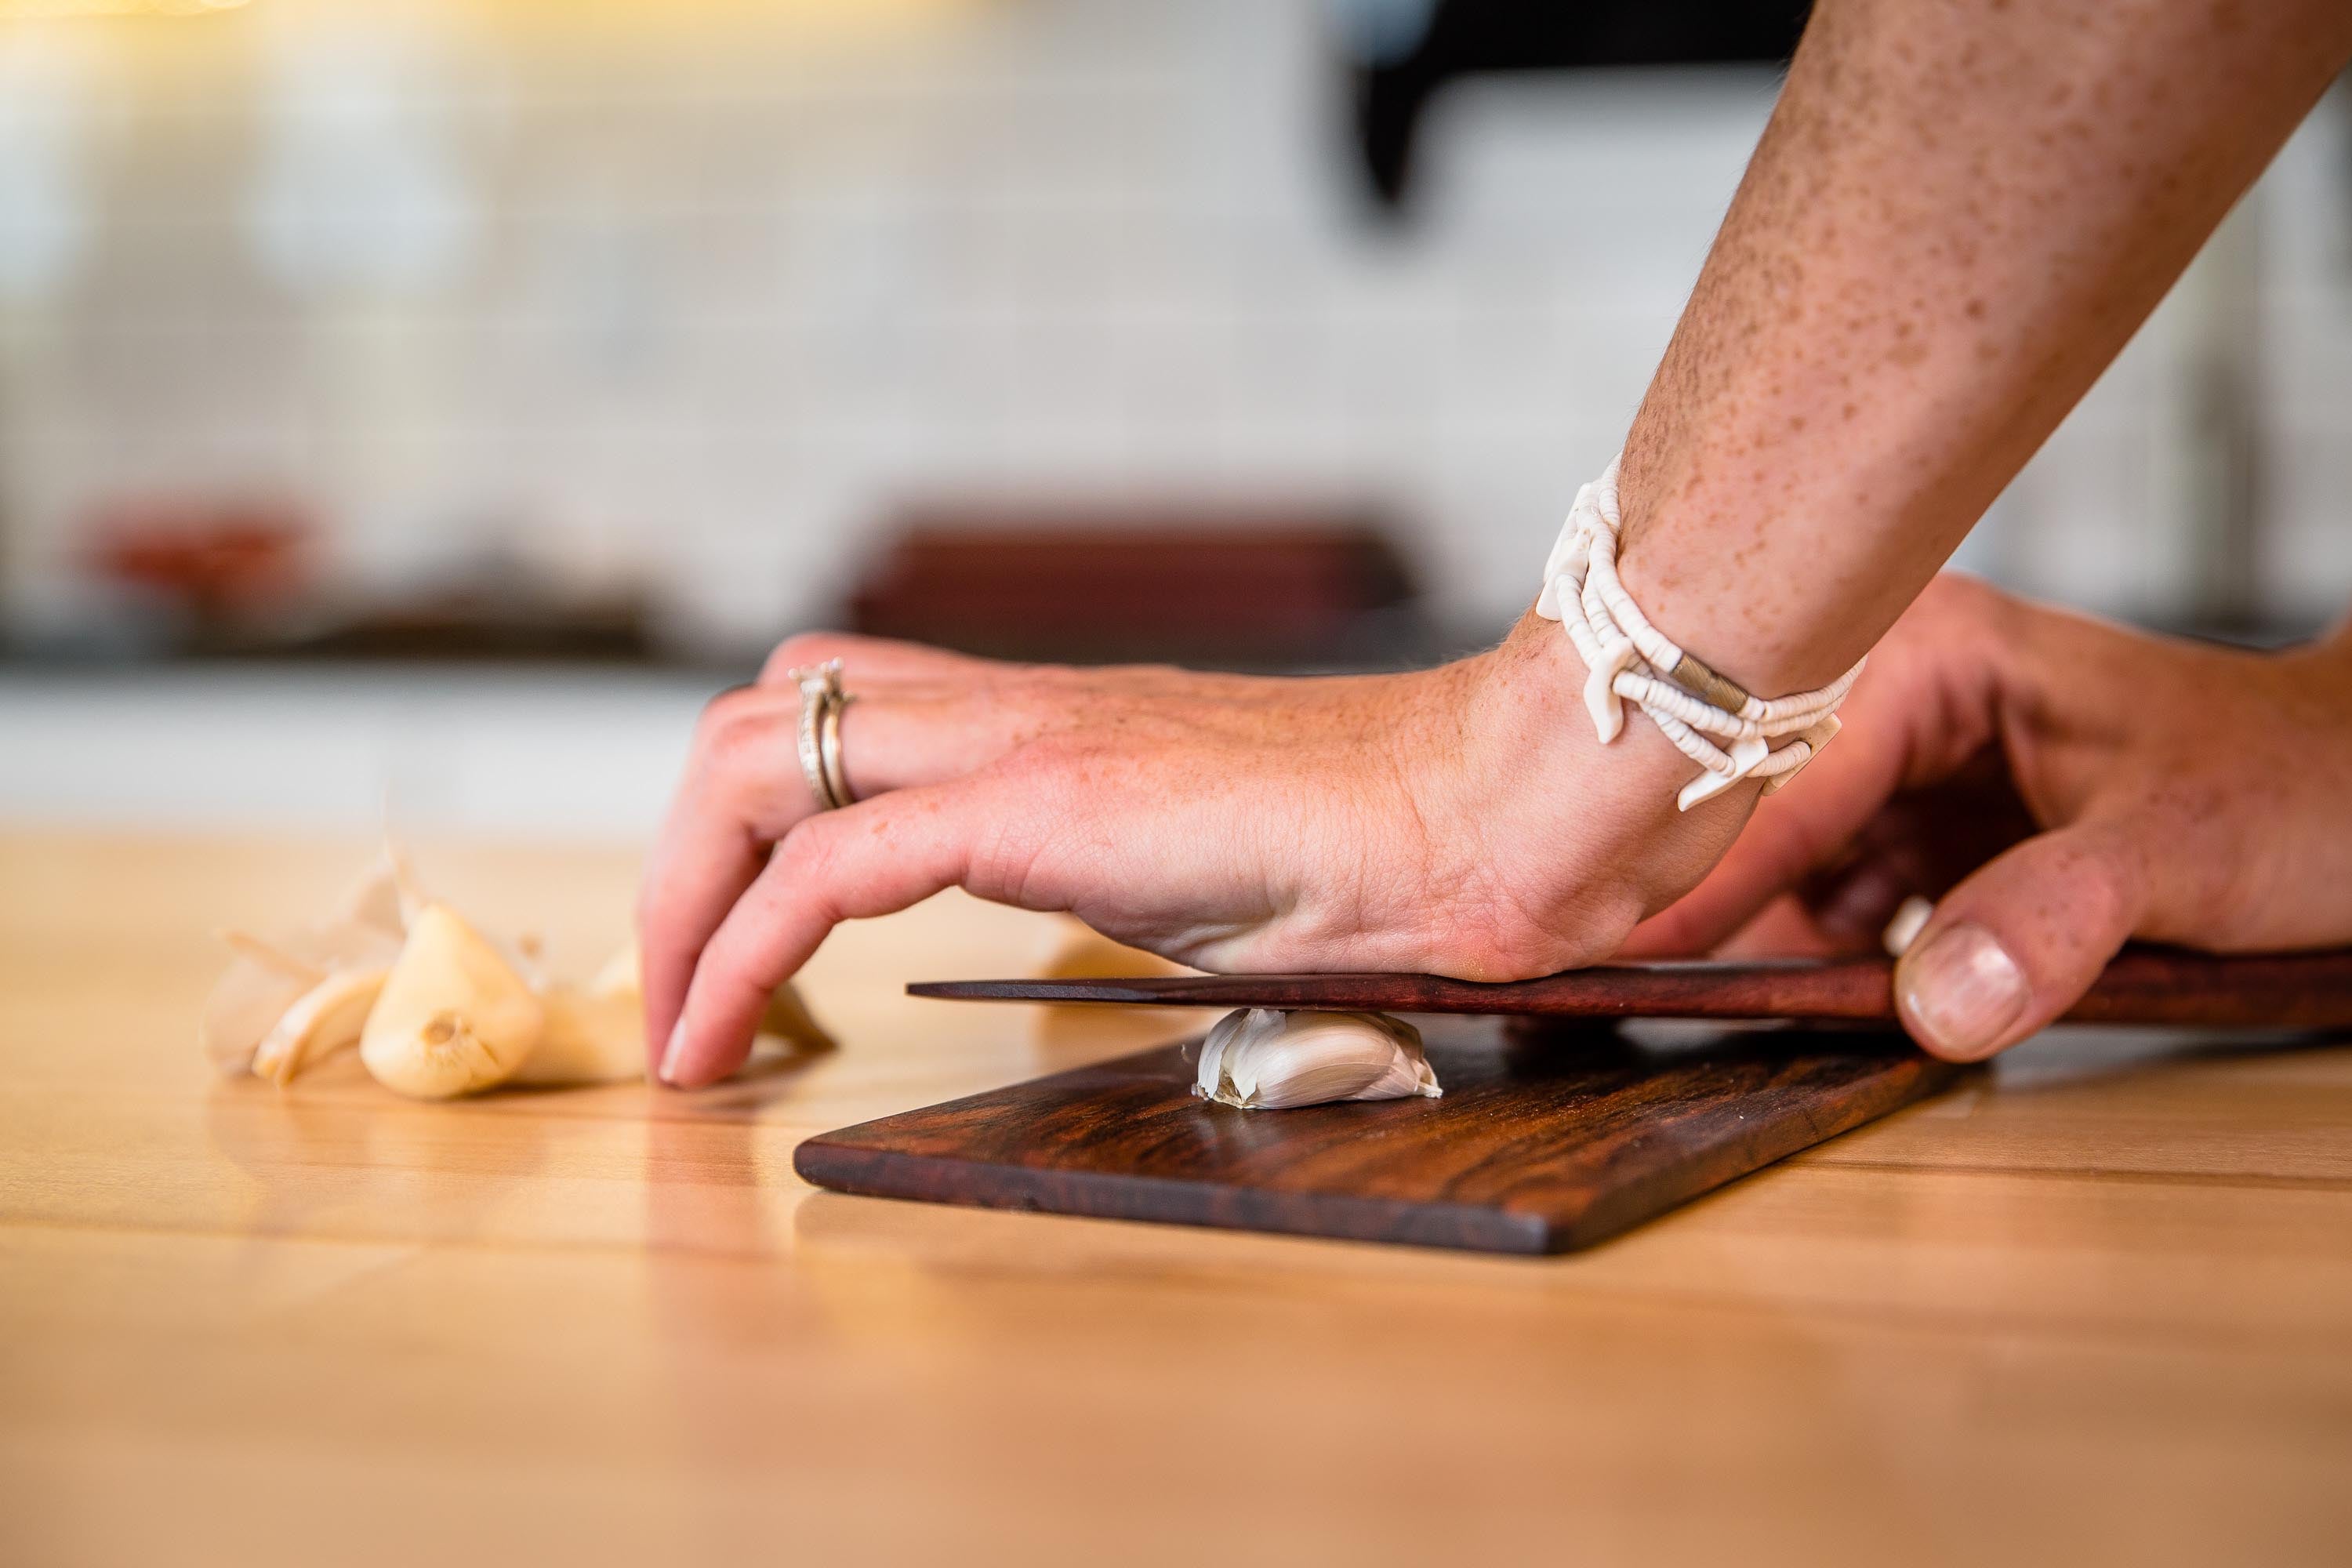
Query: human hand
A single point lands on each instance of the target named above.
(1462, 821)
(2059, 785)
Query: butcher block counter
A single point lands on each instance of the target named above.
(2095, 1305)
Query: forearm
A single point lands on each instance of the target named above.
(1957, 215)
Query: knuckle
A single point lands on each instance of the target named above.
(1005, 857)
(2107, 873)
(808, 859)
(1953, 602)
(731, 724)
(1046, 753)
(1948, 591)
(726, 709)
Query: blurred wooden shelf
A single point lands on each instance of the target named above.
(1225, 588)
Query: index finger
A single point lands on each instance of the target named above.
(872, 859)
(742, 790)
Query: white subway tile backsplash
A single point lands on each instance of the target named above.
(728, 299)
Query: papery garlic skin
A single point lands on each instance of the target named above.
(246, 1003)
(325, 1019)
(1263, 1059)
(270, 976)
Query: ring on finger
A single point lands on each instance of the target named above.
(821, 701)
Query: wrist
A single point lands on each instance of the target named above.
(1759, 581)
(1528, 697)
(1766, 638)
(1585, 838)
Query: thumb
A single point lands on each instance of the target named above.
(2018, 943)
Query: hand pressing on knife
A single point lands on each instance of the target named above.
(1880, 337)
(1463, 821)
(2057, 786)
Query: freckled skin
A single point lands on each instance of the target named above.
(1958, 215)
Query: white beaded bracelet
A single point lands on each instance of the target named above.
(1630, 660)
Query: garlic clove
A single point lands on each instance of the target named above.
(1262, 1059)
(1209, 1074)
(618, 976)
(587, 1038)
(596, 1034)
(788, 1019)
(324, 1020)
(453, 1018)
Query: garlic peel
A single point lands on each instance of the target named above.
(267, 976)
(327, 1019)
(246, 1003)
(387, 898)
(620, 974)
(1262, 1059)
(271, 955)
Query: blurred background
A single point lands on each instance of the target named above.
(437, 400)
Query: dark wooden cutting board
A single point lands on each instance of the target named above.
(1541, 1143)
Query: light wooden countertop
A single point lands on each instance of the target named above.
(2096, 1307)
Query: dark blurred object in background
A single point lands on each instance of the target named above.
(1403, 52)
(493, 607)
(203, 570)
(1281, 590)
(240, 577)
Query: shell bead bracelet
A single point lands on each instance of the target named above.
(1711, 720)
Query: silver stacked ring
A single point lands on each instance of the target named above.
(822, 703)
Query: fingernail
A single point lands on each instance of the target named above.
(1962, 991)
(668, 1067)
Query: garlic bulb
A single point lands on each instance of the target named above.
(1260, 1059)
(437, 1008)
